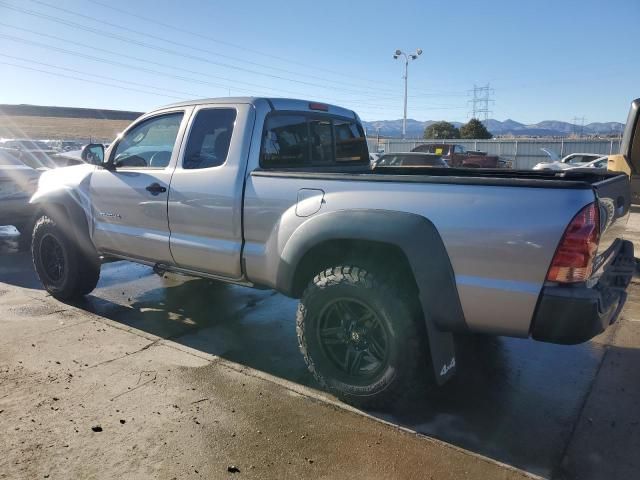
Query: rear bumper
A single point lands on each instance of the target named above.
(575, 314)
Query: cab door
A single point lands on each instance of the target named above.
(129, 198)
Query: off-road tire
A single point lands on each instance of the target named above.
(405, 364)
(79, 273)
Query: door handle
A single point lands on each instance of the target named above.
(156, 189)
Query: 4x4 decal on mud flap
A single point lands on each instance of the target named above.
(446, 368)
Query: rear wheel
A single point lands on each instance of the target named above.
(65, 272)
(359, 336)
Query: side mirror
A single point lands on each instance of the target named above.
(93, 154)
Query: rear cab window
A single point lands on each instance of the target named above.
(299, 140)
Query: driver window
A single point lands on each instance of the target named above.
(150, 143)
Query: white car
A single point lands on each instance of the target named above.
(572, 160)
(599, 163)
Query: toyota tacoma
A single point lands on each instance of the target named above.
(388, 263)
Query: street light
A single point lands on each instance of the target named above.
(407, 57)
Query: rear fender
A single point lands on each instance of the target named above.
(419, 240)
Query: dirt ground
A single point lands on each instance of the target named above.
(60, 128)
(174, 377)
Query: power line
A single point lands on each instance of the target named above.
(96, 82)
(22, 59)
(122, 55)
(173, 42)
(112, 62)
(229, 44)
(130, 40)
(139, 68)
(103, 22)
(89, 81)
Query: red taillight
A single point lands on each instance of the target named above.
(318, 106)
(574, 257)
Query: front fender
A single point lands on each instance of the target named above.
(69, 208)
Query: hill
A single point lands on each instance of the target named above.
(60, 123)
(67, 112)
(547, 128)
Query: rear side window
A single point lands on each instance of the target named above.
(209, 139)
(302, 140)
(285, 142)
(351, 145)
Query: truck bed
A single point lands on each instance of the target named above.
(500, 228)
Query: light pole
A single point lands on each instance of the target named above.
(411, 56)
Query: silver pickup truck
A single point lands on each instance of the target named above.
(388, 263)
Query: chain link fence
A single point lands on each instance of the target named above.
(523, 153)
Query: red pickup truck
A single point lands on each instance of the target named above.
(457, 156)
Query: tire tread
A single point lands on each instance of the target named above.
(407, 379)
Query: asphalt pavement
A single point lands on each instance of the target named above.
(187, 377)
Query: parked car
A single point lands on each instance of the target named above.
(387, 263)
(570, 161)
(411, 159)
(69, 158)
(33, 153)
(457, 156)
(17, 183)
(599, 163)
(67, 145)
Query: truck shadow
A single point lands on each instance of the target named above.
(513, 400)
(508, 392)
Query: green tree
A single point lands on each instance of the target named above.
(475, 129)
(441, 130)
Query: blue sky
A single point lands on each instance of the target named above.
(545, 59)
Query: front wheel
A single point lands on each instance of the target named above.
(359, 336)
(65, 272)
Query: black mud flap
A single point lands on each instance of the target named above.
(442, 351)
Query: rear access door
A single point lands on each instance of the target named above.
(205, 201)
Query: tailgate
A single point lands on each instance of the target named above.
(614, 196)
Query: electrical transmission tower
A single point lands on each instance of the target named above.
(578, 126)
(480, 102)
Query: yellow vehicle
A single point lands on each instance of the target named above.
(628, 160)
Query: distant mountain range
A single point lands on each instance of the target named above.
(547, 128)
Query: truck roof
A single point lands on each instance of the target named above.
(275, 103)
